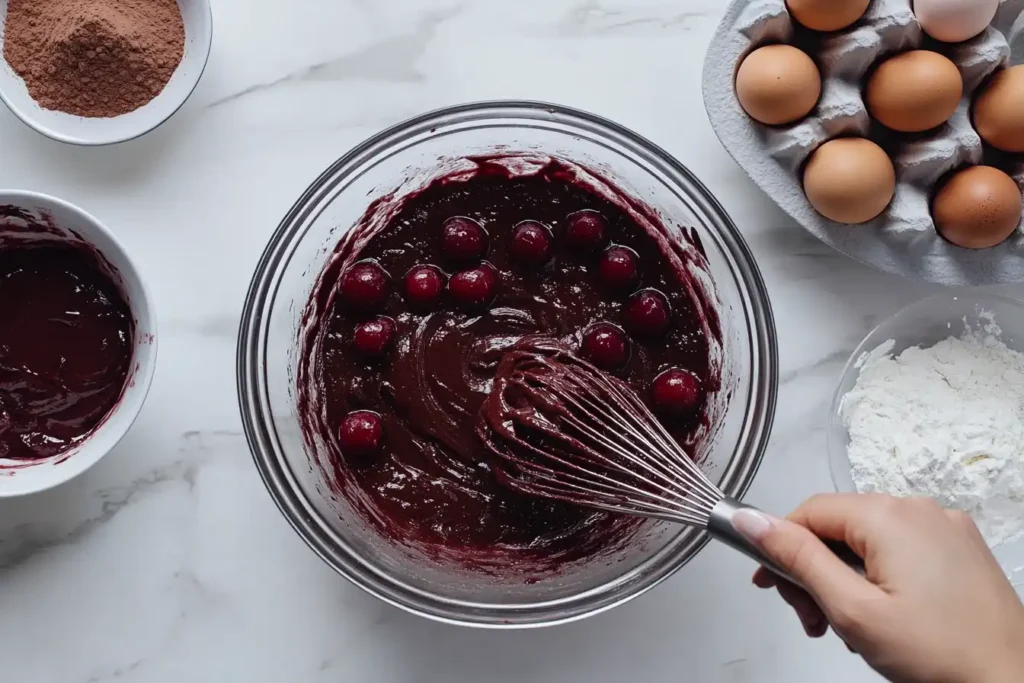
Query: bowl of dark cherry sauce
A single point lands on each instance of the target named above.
(389, 294)
(77, 342)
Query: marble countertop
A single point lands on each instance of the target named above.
(168, 562)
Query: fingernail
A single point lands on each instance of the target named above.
(815, 629)
(753, 524)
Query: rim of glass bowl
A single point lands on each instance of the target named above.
(252, 386)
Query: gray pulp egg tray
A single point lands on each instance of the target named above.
(903, 240)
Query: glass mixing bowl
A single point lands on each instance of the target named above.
(399, 160)
(923, 323)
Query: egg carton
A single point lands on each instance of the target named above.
(903, 240)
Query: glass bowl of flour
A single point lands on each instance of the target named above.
(932, 404)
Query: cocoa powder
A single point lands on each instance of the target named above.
(97, 58)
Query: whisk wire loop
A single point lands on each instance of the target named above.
(562, 429)
(647, 471)
(677, 464)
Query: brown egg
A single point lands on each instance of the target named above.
(999, 110)
(914, 91)
(849, 180)
(978, 208)
(778, 84)
(827, 15)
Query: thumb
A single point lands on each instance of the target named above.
(804, 557)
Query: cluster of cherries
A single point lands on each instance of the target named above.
(366, 286)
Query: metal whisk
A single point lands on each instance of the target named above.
(562, 429)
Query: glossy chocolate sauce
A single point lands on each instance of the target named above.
(65, 347)
(431, 486)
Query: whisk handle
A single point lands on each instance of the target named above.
(721, 527)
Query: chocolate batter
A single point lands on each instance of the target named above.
(411, 319)
(65, 348)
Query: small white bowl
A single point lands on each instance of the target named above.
(80, 130)
(72, 224)
(926, 323)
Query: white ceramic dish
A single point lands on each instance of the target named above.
(903, 240)
(79, 130)
(925, 323)
(69, 223)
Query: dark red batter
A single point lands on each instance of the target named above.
(65, 348)
(411, 319)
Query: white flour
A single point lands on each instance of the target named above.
(945, 422)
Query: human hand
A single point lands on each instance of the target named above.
(933, 606)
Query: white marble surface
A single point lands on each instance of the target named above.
(169, 562)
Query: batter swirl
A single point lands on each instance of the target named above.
(410, 321)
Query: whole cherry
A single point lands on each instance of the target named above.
(531, 243)
(361, 435)
(618, 268)
(373, 337)
(424, 286)
(586, 231)
(463, 240)
(473, 289)
(364, 286)
(647, 314)
(677, 392)
(606, 346)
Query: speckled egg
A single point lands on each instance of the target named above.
(978, 208)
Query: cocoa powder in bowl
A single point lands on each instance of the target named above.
(96, 58)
